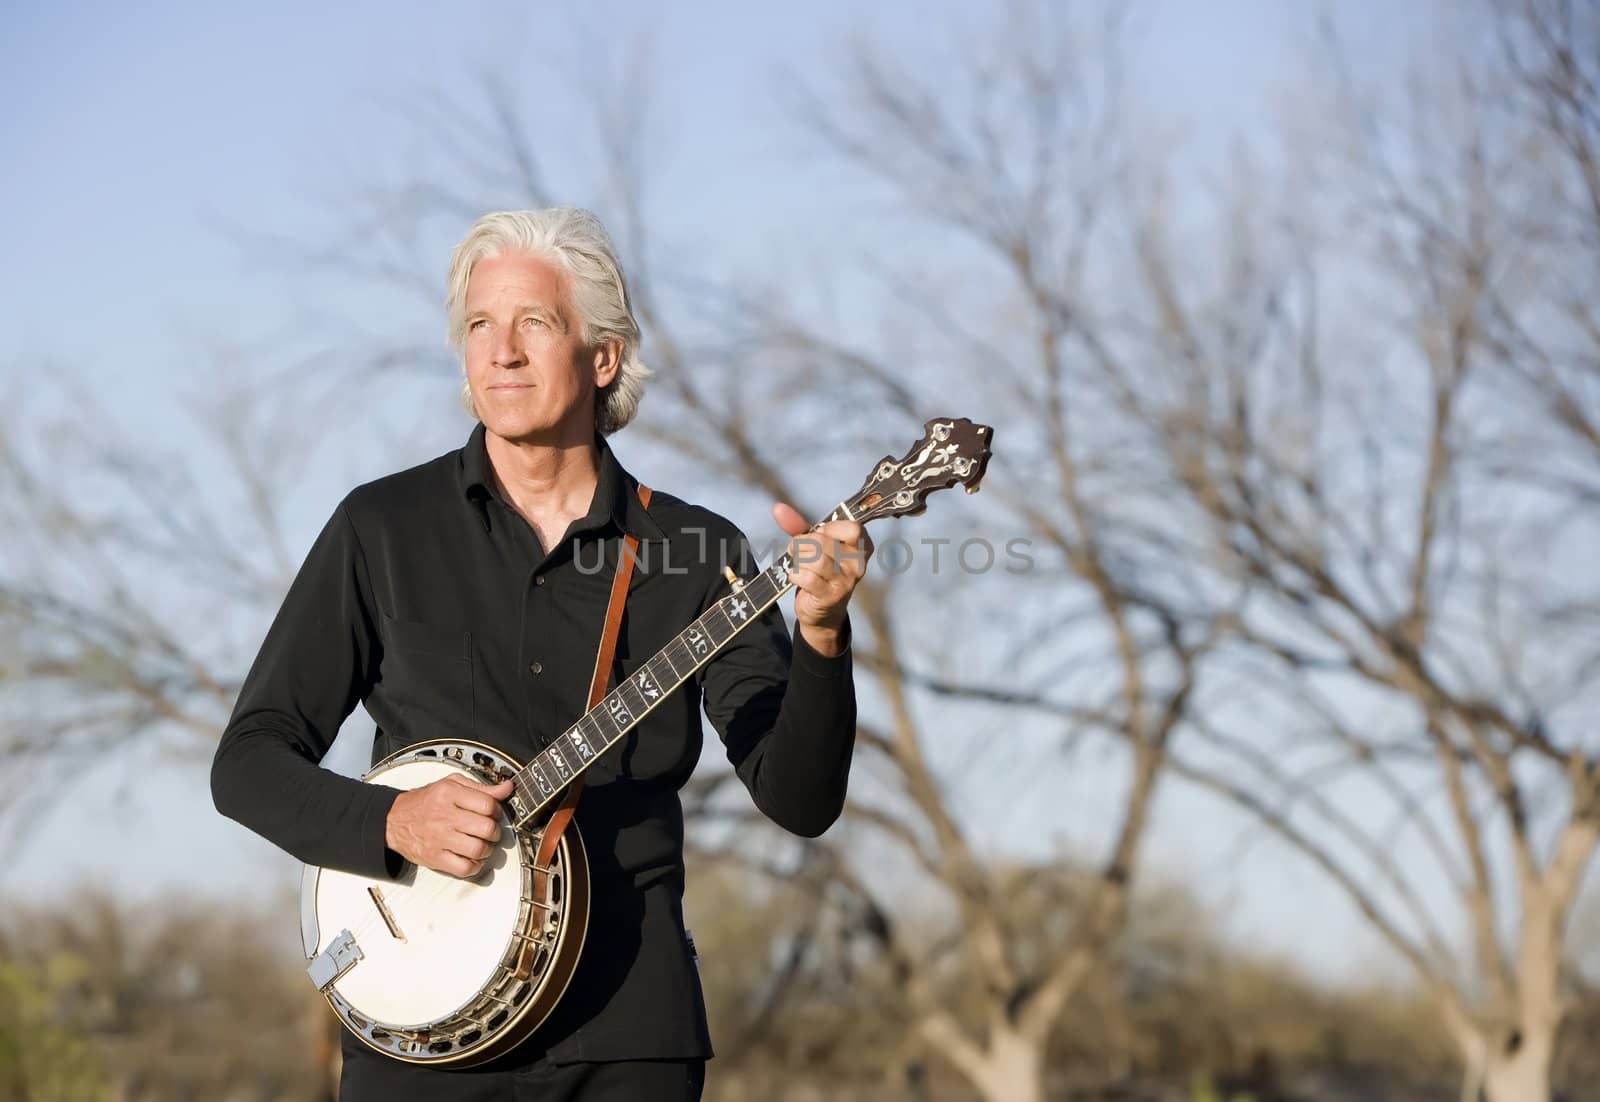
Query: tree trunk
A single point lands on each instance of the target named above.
(1007, 1067)
(1522, 1074)
(1012, 1069)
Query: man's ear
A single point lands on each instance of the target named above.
(607, 363)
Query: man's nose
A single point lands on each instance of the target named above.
(507, 350)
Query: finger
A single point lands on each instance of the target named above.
(848, 532)
(497, 791)
(846, 546)
(479, 826)
(824, 548)
(853, 564)
(846, 559)
(810, 581)
(476, 802)
(473, 849)
(789, 519)
(455, 865)
(850, 550)
(812, 554)
(810, 551)
(473, 797)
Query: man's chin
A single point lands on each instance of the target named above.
(533, 430)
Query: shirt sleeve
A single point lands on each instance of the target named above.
(318, 660)
(786, 714)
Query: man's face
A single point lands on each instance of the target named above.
(531, 376)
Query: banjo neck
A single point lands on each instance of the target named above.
(951, 452)
(540, 782)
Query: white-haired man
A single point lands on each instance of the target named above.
(454, 599)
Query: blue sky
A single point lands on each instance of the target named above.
(132, 127)
(133, 132)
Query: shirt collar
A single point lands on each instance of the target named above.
(616, 494)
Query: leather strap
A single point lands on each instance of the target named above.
(562, 815)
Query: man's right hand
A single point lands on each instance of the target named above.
(449, 826)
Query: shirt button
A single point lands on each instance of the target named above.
(535, 667)
(539, 580)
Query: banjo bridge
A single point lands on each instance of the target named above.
(385, 912)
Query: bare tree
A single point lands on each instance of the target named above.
(1008, 163)
(1386, 422)
(130, 580)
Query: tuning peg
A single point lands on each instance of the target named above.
(733, 579)
(971, 488)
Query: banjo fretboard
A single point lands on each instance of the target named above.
(542, 779)
(952, 452)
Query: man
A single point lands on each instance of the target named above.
(462, 598)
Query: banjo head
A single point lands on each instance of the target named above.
(442, 968)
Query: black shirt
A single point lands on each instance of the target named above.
(431, 601)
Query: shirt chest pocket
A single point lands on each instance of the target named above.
(427, 679)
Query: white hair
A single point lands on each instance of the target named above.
(576, 242)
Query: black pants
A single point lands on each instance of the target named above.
(372, 1077)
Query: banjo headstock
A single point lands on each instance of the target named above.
(952, 452)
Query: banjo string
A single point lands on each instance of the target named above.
(409, 904)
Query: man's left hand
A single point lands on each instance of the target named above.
(828, 563)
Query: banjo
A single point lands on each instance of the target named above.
(436, 970)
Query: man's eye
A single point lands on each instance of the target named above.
(532, 321)
(477, 323)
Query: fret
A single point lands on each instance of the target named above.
(609, 730)
(580, 743)
(697, 642)
(568, 754)
(617, 710)
(664, 656)
(646, 681)
(542, 778)
(777, 575)
(682, 661)
(759, 588)
(558, 765)
(667, 677)
(719, 626)
(597, 735)
(739, 609)
(637, 702)
(524, 791)
(771, 586)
